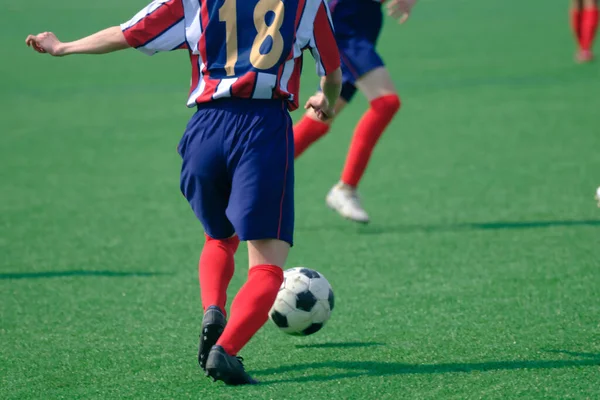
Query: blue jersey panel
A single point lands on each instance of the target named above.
(248, 35)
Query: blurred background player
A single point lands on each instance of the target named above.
(237, 150)
(584, 21)
(357, 27)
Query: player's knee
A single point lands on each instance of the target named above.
(230, 244)
(389, 104)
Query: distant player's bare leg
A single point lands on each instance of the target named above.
(310, 128)
(250, 308)
(379, 89)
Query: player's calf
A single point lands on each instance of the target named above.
(366, 135)
(250, 307)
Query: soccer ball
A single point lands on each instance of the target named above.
(304, 302)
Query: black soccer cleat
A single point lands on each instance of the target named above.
(220, 366)
(213, 324)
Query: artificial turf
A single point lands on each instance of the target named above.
(478, 277)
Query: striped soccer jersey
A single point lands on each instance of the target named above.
(239, 48)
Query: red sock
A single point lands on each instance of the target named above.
(576, 24)
(306, 132)
(250, 308)
(215, 270)
(367, 133)
(589, 24)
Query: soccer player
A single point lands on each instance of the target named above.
(237, 150)
(358, 24)
(584, 21)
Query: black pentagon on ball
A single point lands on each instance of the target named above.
(279, 319)
(309, 273)
(314, 328)
(331, 300)
(305, 301)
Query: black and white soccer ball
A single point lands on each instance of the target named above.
(304, 302)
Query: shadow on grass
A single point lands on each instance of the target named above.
(375, 229)
(338, 345)
(75, 273)
(371, 368)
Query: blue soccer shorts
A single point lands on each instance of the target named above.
(357, 26)
(238, 169)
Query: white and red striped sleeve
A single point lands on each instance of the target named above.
(160, 26)
(323, 45)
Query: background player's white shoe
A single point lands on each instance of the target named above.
(344, 199)
(598, 196)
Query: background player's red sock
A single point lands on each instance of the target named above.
(576, 24)
(367, 133)
(250, 308)
(215, 270)
(306, 132)
(589, 25)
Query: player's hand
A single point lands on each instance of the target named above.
(46, 42)
(320, 105)
(400, 9)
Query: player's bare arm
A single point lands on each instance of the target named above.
(400, 9)
(105, 41)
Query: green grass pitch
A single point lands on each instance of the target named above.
(478, 277)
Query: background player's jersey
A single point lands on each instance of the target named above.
(239, 48)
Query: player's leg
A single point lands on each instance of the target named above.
(589, 26)
(204, 182)
(249, 310)
(576, 11)
(310, 128)
(261, 208)
(362, 67)
(384, 102)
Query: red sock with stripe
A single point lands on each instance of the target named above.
(306, 132)
(589, 25)
(576, 24)
(215, 270)
(250, 308)
(367, 133)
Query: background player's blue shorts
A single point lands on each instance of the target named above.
(238, 169)
(357, 26)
